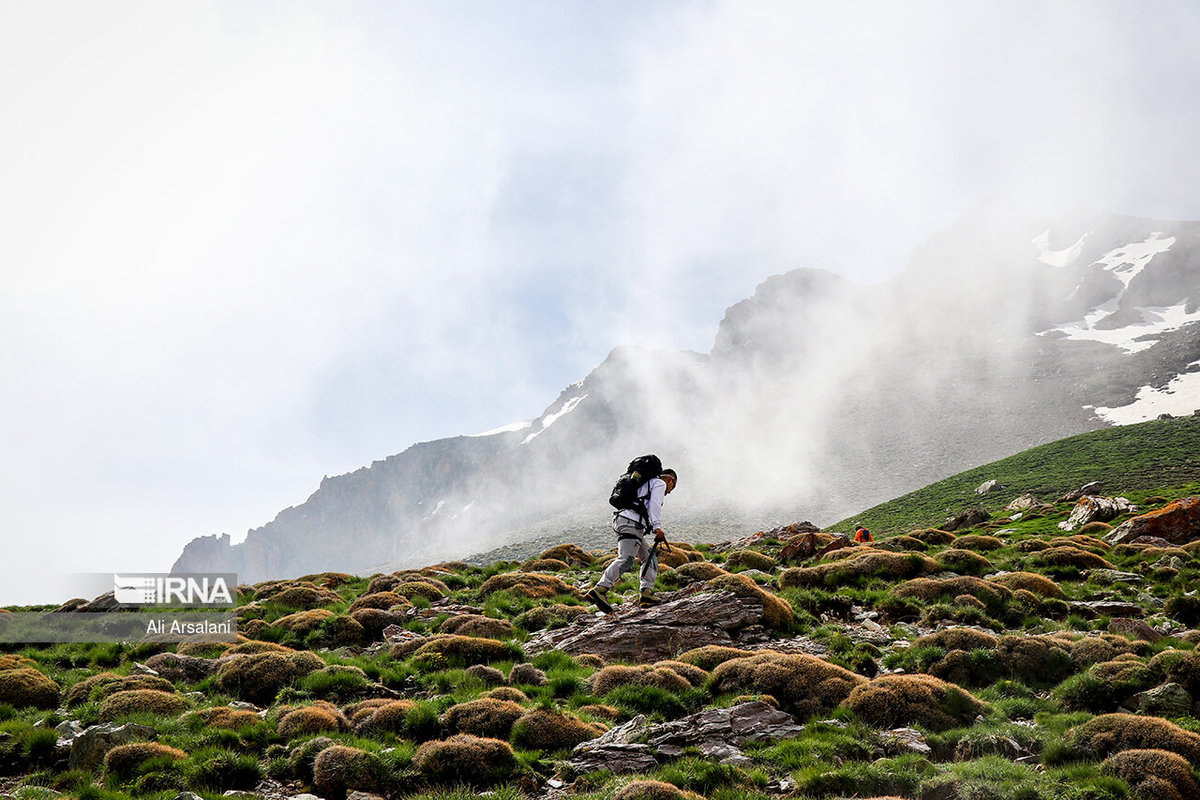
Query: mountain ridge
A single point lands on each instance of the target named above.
(819, 395)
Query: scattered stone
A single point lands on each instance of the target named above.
(1023, 503)
(967, 519)
(988, 487)
(1135, 628)
(720, 732)
(1178, 523)
(1168, 700)
(89, 748)
(616, 758)
(1109, 608)
(1108, 577)
(1097, 509)
(395, 634)
(191, 796)
(1093, 488)
(901, 740)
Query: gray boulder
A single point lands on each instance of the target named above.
(651, 634)
(89, 748)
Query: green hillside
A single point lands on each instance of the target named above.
(1011, 660)
(1159, 457)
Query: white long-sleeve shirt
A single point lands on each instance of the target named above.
(653, 491)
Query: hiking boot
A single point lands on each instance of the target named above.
(599, 597)
(649, 600)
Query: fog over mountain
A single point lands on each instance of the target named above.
(819, 397)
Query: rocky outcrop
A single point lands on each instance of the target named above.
(717, 733)
(1096, 509)
(967, 519)
(651, 634)
(89, 748)
(1178, 522)
(720, 733)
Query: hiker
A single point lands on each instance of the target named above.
(634, 541)
(862, 535)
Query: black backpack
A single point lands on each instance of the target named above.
(625, 493)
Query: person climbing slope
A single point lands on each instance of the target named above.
(638, 526)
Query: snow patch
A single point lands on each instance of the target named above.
(550, 419)
(434, 513)
(1126, 263)
(1179, 398)
(1156, 321)
(509, 428)
(1057, 258)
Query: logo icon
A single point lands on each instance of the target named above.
(174, 590)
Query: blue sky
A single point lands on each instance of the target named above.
(251, 244)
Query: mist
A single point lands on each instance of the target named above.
(248, 246)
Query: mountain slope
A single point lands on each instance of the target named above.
(819, 396)
(1162, 456)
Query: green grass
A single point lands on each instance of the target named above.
(1035, 698)
(1161, 457)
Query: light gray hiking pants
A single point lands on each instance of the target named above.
(628, 550)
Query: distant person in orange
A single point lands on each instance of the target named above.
(862, 535)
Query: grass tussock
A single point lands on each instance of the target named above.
(803, 684)
(894, 701)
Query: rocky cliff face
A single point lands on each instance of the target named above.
(819, 397)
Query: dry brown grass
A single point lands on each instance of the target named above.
(320, 717)
(297, 595)
(1067, 556)
(488, 676)
(26, 687)
(777, 612)
(689, 672)
(545, 565)
(102, 684)
(805, 685)
(466, 759)
(228, 718)
(487, 717)
(429, 589)
(893, 701)
(975, 541)
(388, 715)
(466, 649)
(710, 656)
(542, 616)
(1157, 774)
(124, 759)
(381, 600)
(958, 639)
(862, 563)
(303, 623)
(1102, 736)
(536, 585)
(375, 620)
(930, 589)
(751, 559)
(643, 789)
(259, 677)
(477, 625)
(676, 554)
(1030, 581)
(549, 731)
(963, 561)
(134, 701)
(933, 536)
(570, 553)
(1035, 659)
(339, 769)
(701, 571)
(605, 680)
(508, 693)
